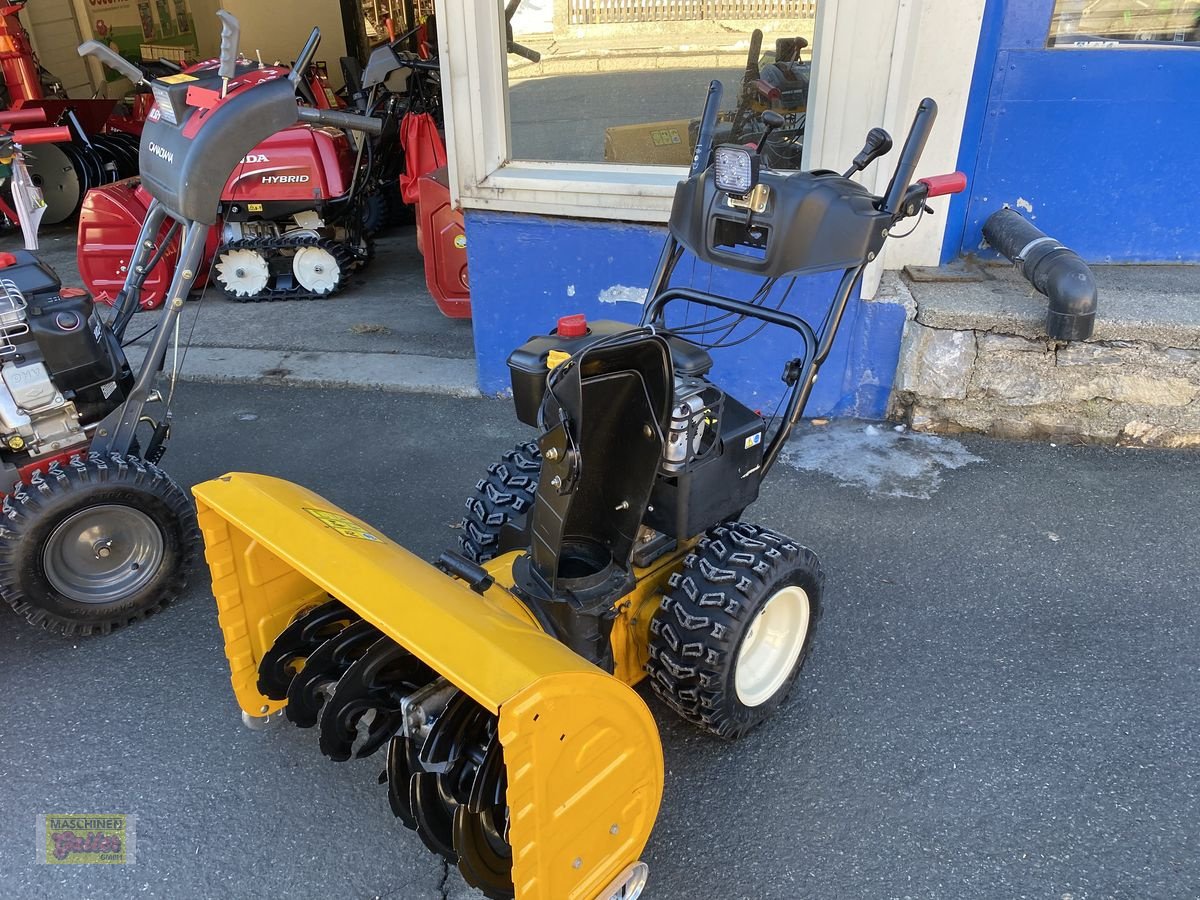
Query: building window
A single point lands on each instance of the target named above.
(604, 65)
(624, 81)
(1109, 23)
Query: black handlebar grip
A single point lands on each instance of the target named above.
(708, 124)
(304, 60)
(231, 31)
(521, 50)
(115, 62)
(914, 146)
(336, 119)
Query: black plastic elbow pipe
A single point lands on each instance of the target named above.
(1053, 270)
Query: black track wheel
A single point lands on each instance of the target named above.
(97, 543)
(504, 497)
(735, 627)
(375, 213)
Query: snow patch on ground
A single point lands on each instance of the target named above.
(884, 460)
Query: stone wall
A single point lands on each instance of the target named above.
(988, 379)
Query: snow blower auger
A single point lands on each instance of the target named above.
(611, 549)
(93, 534)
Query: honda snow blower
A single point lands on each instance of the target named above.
(293, 220)
(611, 550)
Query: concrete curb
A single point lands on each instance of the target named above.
(394, 372)
(592, 64)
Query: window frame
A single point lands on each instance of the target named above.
(483, 174)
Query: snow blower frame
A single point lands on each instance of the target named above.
(93, 534)
(500, 679)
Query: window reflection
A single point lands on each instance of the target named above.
(624, 80)
(1102, 23)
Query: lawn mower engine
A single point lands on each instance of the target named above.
(62, 369)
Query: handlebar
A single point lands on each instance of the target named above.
(336, 119)
(527, 52)
(708, 124)
(914, 146)
(59, 134)
(231, 30)
(115, 62)
(514, 48)
(304, 60)
(34, 116)
(940, 185)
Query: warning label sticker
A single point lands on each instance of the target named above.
(343, 525)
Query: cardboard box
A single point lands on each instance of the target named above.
(654, 143)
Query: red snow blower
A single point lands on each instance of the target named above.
(292, 224)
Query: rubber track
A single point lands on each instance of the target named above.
(348, 259)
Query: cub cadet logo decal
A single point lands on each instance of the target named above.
(343, 525)
(161, 152)
(82, 839)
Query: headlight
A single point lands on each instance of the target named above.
(735, 169)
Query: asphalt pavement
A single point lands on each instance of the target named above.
(1001, 702)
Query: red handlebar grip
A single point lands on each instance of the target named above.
(939, 185)
(56, 135)
(34, 116)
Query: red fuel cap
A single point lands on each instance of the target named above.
(572, 326)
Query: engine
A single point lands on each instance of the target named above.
(61, 369)
(694, 413)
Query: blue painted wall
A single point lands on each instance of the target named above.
(1100, 142)
(537, 269)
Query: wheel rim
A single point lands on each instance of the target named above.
(772, 646)
(103, 553)
(243, 272)
(316, 269)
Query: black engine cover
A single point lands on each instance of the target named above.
(80, 352)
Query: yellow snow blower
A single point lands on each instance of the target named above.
(609, 550)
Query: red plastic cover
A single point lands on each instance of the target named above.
(424, 151)
(443, 242)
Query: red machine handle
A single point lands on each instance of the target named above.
(34, 116)
(56, 135)
(939, 185)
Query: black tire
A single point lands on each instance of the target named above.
(36, 556)
(504, 497)
(376, 215)
(698, 632)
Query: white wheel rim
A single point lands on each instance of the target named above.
(244, 272)
(772, 646)
(316, 269)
